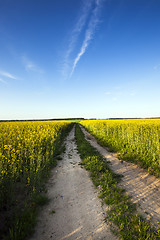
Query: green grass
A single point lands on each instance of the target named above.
(25, 221)
(52, 212)
(122, 211)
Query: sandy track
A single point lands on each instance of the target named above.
(78, 211)
(144, 188)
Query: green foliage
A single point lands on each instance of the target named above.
(24, 225)
(52, 212)
(122, 211)
(39, 199)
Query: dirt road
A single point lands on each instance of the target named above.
(144, 188)
(74, 211)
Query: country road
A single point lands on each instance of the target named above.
(74, 210)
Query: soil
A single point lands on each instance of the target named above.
(143, 188)
(74, 210)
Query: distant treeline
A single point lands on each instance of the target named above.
(35, 120)
(120, 118)
(72, 119)
(132, 118)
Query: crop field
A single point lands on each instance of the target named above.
(27, 152)
(136, 140)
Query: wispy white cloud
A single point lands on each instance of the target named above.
(3, 81)
(7, 75)
(115, 95)
(108, 93)
(94, 20)
(30, 66)
(156, 67)
(87, 5)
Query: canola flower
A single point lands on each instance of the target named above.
(26, 152)
(136, 140)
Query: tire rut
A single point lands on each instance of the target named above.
(139, 184)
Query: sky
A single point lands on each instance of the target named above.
(79, 58)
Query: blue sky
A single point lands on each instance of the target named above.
(79, 58)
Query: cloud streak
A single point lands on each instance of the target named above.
(157, 67)
(108, 93)
(8, 75)
(87, 5)
(94, 20)
(30, 66)
(1, 80)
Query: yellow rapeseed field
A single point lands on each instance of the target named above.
(26, 152)
(136, 140)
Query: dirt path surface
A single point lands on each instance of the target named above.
(74, 211)
(144, 188)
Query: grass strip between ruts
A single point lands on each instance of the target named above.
(122, 211)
